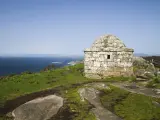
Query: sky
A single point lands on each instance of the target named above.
(69, 26)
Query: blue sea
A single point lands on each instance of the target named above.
(17, 65)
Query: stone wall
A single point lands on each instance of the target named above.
(98, 64)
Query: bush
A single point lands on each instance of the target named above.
(156, 79)
(132, 79)
(110, 98)
(49, 67)
(150, 84)
(26, 72)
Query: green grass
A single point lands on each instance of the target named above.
(137, 107)
(12, 87)
(119, 79)
(110, 98)
(17, 85)
(81, 108)
(155, 83)
(120, 101)
(130, 106)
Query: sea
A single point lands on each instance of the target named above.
(17, 65)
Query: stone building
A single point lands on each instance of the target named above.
(108, 56)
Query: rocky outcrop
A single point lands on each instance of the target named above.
(92, 96)
(143, 68)
(138, 89)
(38, 109)
(98, 85)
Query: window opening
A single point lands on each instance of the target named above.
(108, 56)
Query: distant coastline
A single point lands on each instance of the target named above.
(17, 65)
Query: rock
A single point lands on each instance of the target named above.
(75, 62)
(138, 90)
(158, 73)
(88, 93)
(151, 68)
(98, 85)
(157, 91)
(156, 103)
(149, 74)
(9, 115)
(133, 85)
(38, 109)
(139, 61)
(143, 69)
(141, 79)
(92, 95)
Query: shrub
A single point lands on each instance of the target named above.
(26, 72)
(156, 79)
(150, 84)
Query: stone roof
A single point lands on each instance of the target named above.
(108, 43)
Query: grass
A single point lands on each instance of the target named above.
(110, 98)
(137, 107)
(124, 104)
(81, 108)
(26, 83)
(17, 85)
(130, 106)
(119, 79)
(5, 118)
(154, 83)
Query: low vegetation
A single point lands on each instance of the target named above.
(110, 98)
(74, 108)
(130, 106)
(154, 83)
(26, 83)
(67, 81)
(17, 85)
(80, 108)
(66, 78)
(154, 59)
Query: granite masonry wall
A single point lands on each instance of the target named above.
(105, 62)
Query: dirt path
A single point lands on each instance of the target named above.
(137, 89)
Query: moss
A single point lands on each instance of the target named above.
(130, 106)
(119, 101)
(154, 83)
(81, 108)
(110, 98)
(6, 118)
(119, 78)
(137, 107)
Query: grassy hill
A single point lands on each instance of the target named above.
(18, 89)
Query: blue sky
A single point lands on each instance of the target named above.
(69, 26)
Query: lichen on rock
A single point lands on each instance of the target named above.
(38, 109)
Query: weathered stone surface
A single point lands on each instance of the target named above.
(98, 85)
(138, 89)
(156, 103)
(38, 109)
(92, 95)
(157, 91)
(143, 68)
(108, 56)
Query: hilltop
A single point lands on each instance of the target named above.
(112, 94)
